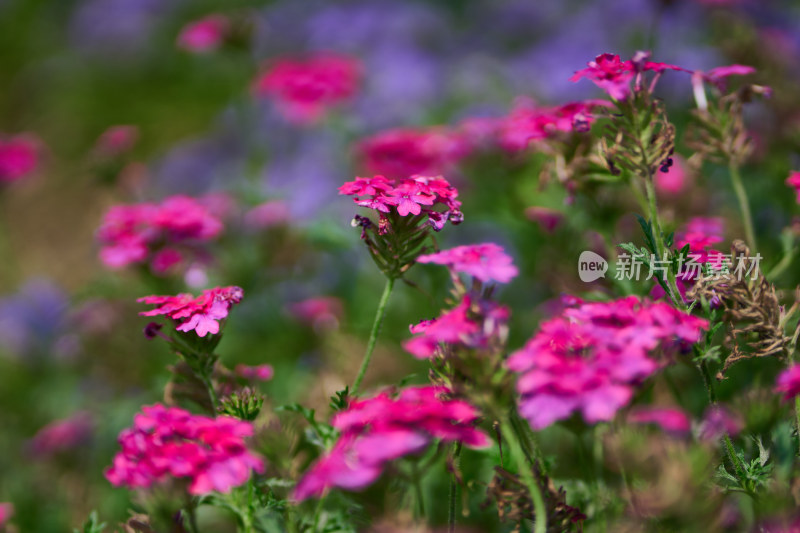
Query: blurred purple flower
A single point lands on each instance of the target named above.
(32, 319)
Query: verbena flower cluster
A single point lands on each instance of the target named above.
(590, 359)
(170, 444)
(201, 315)
(383, 428)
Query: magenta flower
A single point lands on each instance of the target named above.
(404, 152)
(669, 419)
(548, 219)
(204, 35)
(322, 313)
(255, 373)
(62, 435)
(486, 262)
(6, 512)
(201, 314)
(590, 359)
(614, 76)
(304, 89)
(117, 140)
(131, 234)
(788, 382)
(417, 195)
(717, 422)
(19, 157)
(377, 430)
(167, 443)
(267, 215)
(793, 181)
(528, 123)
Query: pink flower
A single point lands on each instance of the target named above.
(117, 140)
(153, 233)
(321, 313)
(19, 157)
(614, 76)
(717, 422)
(377, 430)
(673, 181)
(788, 382)
(62, 435)
(528, 123)
(417, 195)
(204, 35)
(6, 512)
(591, 358)
(486, 262)
(401, 153)
(167, 443)
(669, 419)
(267, 215)
(548, 219)
(794, 181)
(201, 314)
(700, 233)
(304, 89)
(471, 324)
(255, 373)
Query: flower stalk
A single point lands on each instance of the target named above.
(373, 336)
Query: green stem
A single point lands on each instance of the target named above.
(212, 394)
(744, 206)
(416, 477)
(373, 336)
(784, 263)
(453, 497)
(672, 287)
(526, 473)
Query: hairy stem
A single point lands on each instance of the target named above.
(453, 497)
(373, 336)
(744, 206)
(661, 249)
(526, 473)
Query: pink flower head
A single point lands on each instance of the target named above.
(204, 35)
(470, 324)
(788, 382)
(169, 443)
(322, 313)
(267, 215)
(717, 422)
(131, 234)
(19, 157)
(6, 512)
(548, 219)
(201, 314)
(417, 195)
(669, 419)
(486, 262)
(255, 373)
(793, 181)
(117, 140)
(404, 152)
(304, 89)
(377, 430)
(528, 123)
(614, 76)
(62, 435)
(591, 358)
(717, 76)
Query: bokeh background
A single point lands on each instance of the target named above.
(71, 342)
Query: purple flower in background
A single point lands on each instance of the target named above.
(32, 319)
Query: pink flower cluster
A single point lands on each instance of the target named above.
(204, 35)
(404, 152)
(305, 89)
(416, 195)
(383, 428)
(19, 157)
(788, 382)
(201, 314)
(155, 233)
(255, 373)
(669, 419)
(116, 140)
(614, 76)
(167, 442)
(591, 358)
(486, 262)
(322, 313)
(62, 435)
(471, 324)
(793, 181)
(528, 123)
